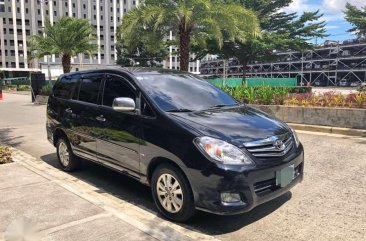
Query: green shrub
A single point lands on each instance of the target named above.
(46, 90)
(259, 94)
(362, 87)
(23, 87)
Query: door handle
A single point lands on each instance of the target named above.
(100, 118)
(68, 110)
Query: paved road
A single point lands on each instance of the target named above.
(328, 205)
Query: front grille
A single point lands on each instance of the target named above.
(267, 148)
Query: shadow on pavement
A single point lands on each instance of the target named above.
(132, 191)
(7, 139)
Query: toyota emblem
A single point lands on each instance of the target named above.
(278, 144)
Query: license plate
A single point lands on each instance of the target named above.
(285, 176)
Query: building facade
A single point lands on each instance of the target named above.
(327, 64)
(19, 19)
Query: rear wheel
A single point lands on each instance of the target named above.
(68, 161)
(172, 193)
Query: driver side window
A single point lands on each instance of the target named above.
(116, 86)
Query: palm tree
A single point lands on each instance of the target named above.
(67, 37)
(198, 20)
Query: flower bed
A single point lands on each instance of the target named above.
(327, 99)
(296, 96)
(5, 154)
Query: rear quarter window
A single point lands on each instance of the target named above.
(65, 87)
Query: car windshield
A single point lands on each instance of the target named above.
(183, 92)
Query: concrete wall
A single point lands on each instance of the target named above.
(335, 117)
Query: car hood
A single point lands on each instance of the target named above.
(235, 125)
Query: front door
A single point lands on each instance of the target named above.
(119, 139)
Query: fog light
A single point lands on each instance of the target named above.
(230, 197)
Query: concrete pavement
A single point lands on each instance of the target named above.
(59, 209)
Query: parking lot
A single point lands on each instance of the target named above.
(328, 205)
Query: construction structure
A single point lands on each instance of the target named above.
(327, 64)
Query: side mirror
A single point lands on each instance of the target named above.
(123, 104)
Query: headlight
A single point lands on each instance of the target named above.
(296, 138)
(221, 151)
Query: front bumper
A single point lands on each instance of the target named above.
(255, 186)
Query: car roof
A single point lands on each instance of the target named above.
(137, 71)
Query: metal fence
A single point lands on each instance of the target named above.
(235, 82)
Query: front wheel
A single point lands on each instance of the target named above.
(172, 193)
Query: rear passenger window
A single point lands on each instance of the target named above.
(65, 87)
(89, 88)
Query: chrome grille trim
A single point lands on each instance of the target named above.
(265, 148)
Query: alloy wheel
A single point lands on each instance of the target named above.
(169, 193)
(64, 154)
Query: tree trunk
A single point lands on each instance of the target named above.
(184, 47)
(66, 63)
(244, 63)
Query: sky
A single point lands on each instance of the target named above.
(336, 25)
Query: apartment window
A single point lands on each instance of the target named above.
(112, 56)
(5, 42)
(112, 38)
(19, 22)
(73, 5)
(101, 8)
(95, 17)
(13, 65)
(12, 52)
(11, 31)
(4, 30)
(134, 2)
(118, 19)
(54, 13)
(18, 10)
(84, 6)
(101, 17)
(74, 15)
(54, 3)
(46, 12)
(94, 7)
(27, 32)
(124, 1)
(19, 31)
(84, 15)
(26, 10)
(66, 4)
(124, 10)
(27, 22)
(111, 18)
(111, 9)
(4, 20)
(66, 13)
(39, 23)
(39, 11)
(102, 56)
(112, 47)
(9, 9)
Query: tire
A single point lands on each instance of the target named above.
(175, 205)
(71, 163)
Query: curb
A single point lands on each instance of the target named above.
(329, 129)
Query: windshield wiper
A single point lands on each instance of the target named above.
(179, 110)
(221, 105)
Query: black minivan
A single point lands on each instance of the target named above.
(193, 144)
